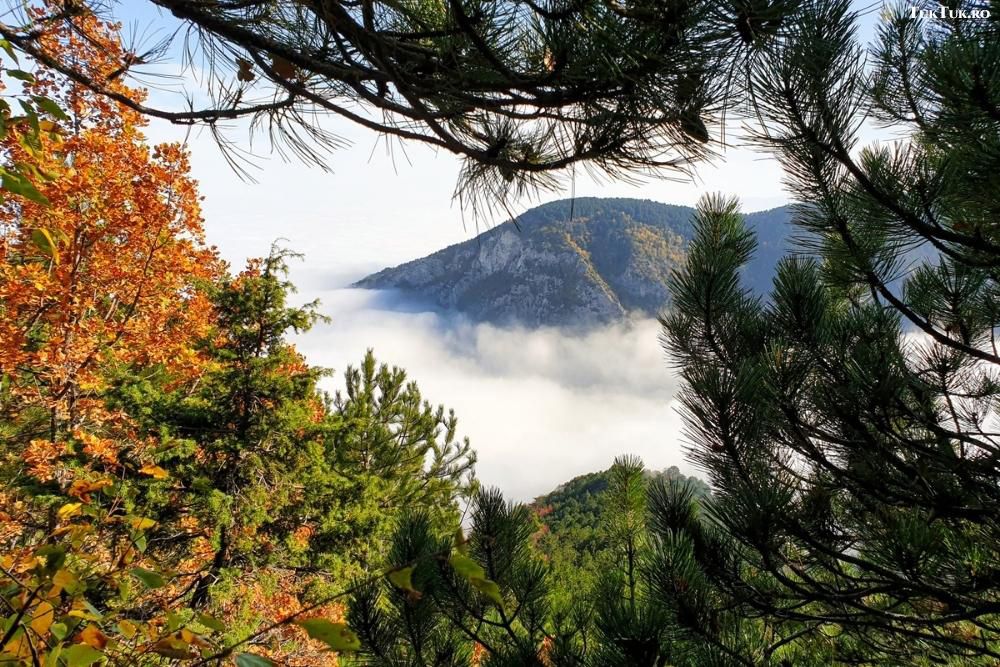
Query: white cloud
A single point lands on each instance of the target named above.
(540, 407)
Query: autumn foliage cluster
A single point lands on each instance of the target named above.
(176, 487)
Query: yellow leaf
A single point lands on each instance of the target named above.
(127, 628)
(42, 617)
(63, 580)
(68, 510)
(141, 523)
(192, 639)
(18, 647)
(81, 613)
(154, 471)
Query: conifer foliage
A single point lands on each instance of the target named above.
(849, 423)
(518, 89)
(488, 597)
(177, 487)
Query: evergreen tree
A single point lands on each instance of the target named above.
(490, 596)
(485, 593)
(273, 471)
(848, 423)
(243, 438)
(222, 504)
(575, 528)
(397, 451)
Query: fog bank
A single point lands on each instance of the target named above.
(539, 406)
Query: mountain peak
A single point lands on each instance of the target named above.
(578, 262)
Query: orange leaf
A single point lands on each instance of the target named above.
(174, 647)
(92, 636)
(82, 488)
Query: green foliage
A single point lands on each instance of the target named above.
(278, 473)
(395, 451)
(253, 487)
(489, 588)
(335, 635)
(495, 591)
(575, 527)
(31, 121)
(848, 425)
(241, 440)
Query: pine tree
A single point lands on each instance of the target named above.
(396, 452)
(235, 442)
(490, 596)
(225, 503)
(274, 471)
(848, 422)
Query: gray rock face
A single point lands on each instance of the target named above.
(610, 259)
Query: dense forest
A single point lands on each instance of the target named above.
(574, 517)
(177, 489)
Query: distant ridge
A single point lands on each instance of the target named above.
(610, 261)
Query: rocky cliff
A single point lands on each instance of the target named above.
(609, 258)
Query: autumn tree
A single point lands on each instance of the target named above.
(100, 265)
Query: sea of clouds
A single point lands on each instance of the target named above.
(539, 406)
